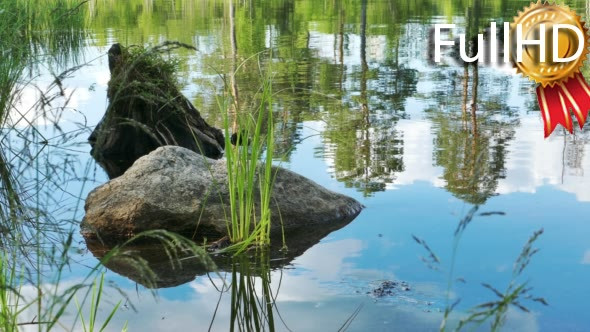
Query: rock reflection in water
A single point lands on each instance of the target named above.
(185, 267)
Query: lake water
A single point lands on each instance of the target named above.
(362, 111)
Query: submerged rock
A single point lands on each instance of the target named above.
(147, 110)
(178, 190)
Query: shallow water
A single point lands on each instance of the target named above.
(361, 111)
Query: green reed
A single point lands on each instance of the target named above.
(96, 293)
(32, 32)
(34, 299)
(250, 173)
(10, 285)
(35, 247)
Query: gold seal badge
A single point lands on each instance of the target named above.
(548, 73)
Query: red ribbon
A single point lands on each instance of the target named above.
(556, 102)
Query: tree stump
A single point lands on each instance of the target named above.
(147, 110)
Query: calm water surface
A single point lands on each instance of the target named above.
(361, 111)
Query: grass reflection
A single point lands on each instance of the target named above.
(494, 311)
(253, 301)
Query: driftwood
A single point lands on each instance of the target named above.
(147, 110)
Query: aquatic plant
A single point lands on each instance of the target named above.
(249, 168)
(144, 81)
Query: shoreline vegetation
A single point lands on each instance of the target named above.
(37, 36)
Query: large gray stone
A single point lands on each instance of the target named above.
(176, 189)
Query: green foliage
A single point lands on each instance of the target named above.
(10, 286)
(471, 141)
(97, 292)
(250, 172)
(52, 299)
(473, 164)
(31, 29)
(33, 32)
